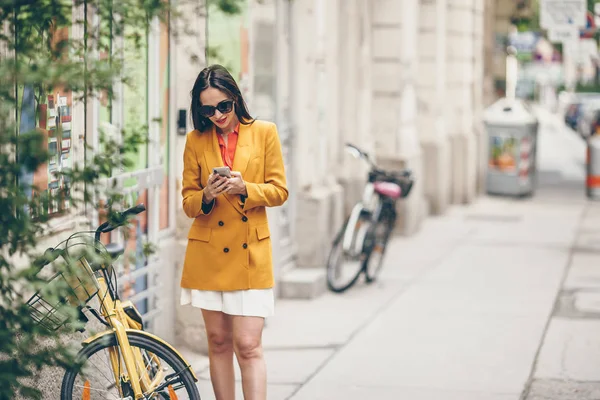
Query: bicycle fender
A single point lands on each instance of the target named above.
(96, 337)
(134, 332)
(352, 220)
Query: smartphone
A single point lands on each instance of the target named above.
(223, 171)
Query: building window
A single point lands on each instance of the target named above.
(50, 111)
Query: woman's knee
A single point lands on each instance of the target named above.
(218, 331)
(248, 347)
(220, 342)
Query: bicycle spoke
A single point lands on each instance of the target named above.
(156, 378)
(87, 390)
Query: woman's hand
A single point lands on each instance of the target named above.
(236, 184)
(215, 186)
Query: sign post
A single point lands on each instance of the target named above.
(563, 13)
(564, 19)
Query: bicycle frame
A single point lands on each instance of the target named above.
(371, 204)
(113, 313)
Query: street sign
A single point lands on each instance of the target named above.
(562, 13)
(563, 34)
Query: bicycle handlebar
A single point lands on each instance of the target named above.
(119, 218)
(404, 174)
(49, 256)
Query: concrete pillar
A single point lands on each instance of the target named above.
(354, 96)
(413, 208)
(503, 10)
(489, 46)
(433, 104)
(394, 109)
(478, 88)
(187, 60)
(319, 202)
(190, 330)
(460, 80)
(282, 218)
(364, 110)
(386, 77)
(329, 56)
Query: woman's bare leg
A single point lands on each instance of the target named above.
(247, 343)
(220, 353)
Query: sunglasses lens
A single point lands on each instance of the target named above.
(225, 106)
(207, 111)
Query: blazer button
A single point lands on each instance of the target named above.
(245, 219)
(245, 246)
(226, 250)
(221, 223)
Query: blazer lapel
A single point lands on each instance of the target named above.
(240, 161)
(212, 154)
(243, 149)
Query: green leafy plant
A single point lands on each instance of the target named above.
(37, 56)
(231, 7)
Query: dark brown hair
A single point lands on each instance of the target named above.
(217, 76)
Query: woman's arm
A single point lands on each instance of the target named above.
(192, 191)
(274, 191)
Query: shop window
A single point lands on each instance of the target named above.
(50, 111)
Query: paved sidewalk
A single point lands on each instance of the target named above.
(459, 312)
(464, 310)
(568, 366)
(469, 324)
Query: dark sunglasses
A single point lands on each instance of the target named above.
(224, 107)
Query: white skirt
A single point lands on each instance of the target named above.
(249, 303)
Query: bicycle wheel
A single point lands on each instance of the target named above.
(94, 378)
(344, 267)
(378, 240)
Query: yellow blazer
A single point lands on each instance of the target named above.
(229, 248)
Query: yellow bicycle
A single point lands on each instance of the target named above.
(124, 361)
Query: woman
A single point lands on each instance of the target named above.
(228, 271)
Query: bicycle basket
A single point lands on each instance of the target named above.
(76, 282)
